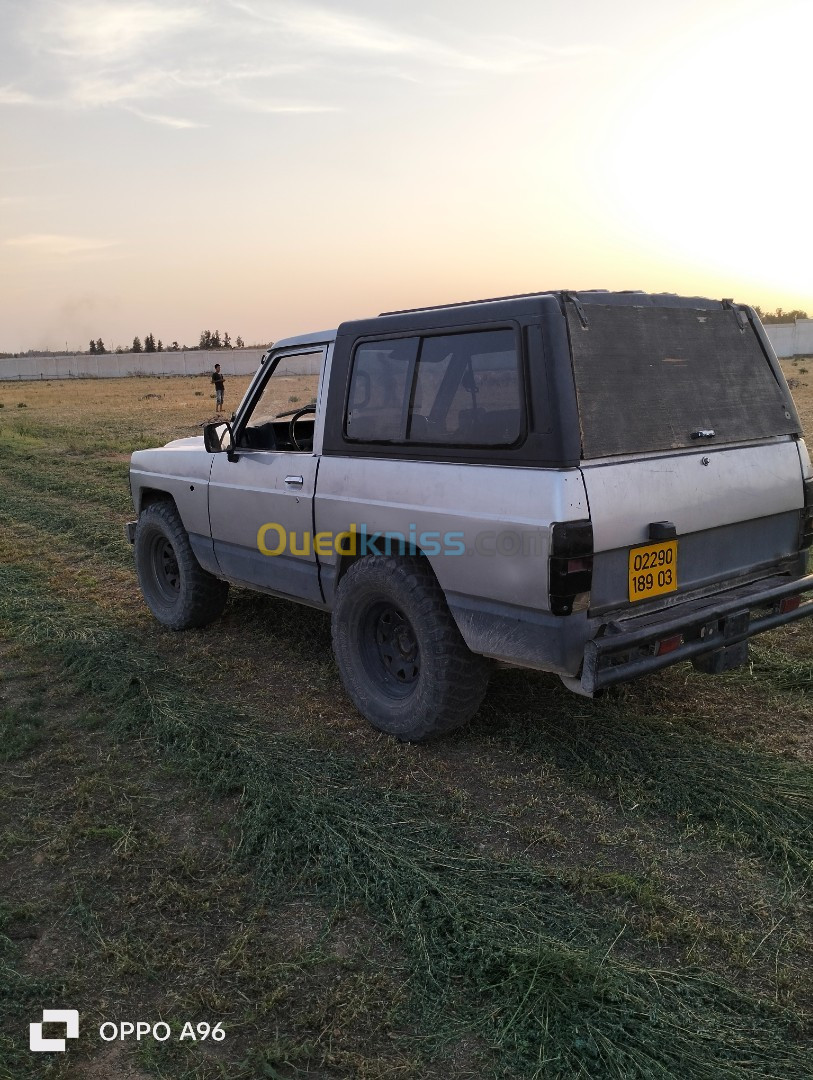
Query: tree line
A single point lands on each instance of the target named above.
(779, 315)
(208, 340)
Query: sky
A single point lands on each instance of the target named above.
(268, 168)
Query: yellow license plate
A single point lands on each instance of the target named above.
(653, 570)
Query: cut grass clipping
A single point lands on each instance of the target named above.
(494, 947)
(20, 998)
(756, 802)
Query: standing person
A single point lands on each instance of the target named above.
(220, 384)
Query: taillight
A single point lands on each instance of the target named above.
(789, 603)
(806, 533)
(571, 565)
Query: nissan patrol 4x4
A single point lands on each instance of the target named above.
(595, 484)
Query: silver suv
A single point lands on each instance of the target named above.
(595, 484)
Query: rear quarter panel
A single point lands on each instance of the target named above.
(493, 524)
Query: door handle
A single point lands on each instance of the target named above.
(294, 481)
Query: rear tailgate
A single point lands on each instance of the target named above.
(689, 444)
(735, 512)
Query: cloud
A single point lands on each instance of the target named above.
(340, 33)
(177, 122)
(214, 78)
(106, 32)
(9, 95)
(55, 244)
(106, 89)
(336, 32)
(271, 106)
(171, 63)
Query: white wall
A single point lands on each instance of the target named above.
(791, 339)
(113, 365)
(788, 339)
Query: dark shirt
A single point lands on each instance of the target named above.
(218, 380)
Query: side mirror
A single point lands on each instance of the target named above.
(218, 437)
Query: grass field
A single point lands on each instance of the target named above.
(199, 827)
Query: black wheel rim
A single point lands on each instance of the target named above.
(390, 649)
(166, 573)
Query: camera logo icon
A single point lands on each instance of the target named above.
(68, 1017)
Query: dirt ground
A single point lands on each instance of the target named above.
(388, 922)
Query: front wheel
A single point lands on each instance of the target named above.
(178, 591)
(400, 655)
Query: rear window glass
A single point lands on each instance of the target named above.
(652, 378)
(454, 389)
(379, 388)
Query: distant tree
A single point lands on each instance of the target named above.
(174, 346)
(92, 349)
(226, 340)
(149, 343)
(239, 342)
(216, 344)
(136, 344)
(779, 315)
(160, 346)
(100, 349)
(205, 339)
(119, 350)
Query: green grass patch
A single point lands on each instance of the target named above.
(788, 673)
(99, 437)
(494, 947)
(77, 479)
(20, 732)
(88, 525)
(21, 997)
(754, 801)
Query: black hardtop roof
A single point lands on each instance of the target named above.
(523, 305)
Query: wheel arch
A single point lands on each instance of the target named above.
(380, 550)
(347, 560)
(149, 495)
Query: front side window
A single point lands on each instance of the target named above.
(452, 389)
(291, 388)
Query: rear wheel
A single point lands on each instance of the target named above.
(178, 591)
(401, 657)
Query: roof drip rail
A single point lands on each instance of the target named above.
(569, 298)
(740, 315)
(465, 303)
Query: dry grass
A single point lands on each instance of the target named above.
(169, 407)
(799, 373)
(675, 813)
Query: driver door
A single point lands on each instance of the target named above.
(261, 505)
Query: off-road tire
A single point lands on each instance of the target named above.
(178, 591)
(400, 654)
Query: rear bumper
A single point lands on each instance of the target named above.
(625, 649)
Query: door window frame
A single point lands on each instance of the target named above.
(256, 391)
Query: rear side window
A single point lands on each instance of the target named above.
(454, 390)
(379, 390)
(650, 378)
